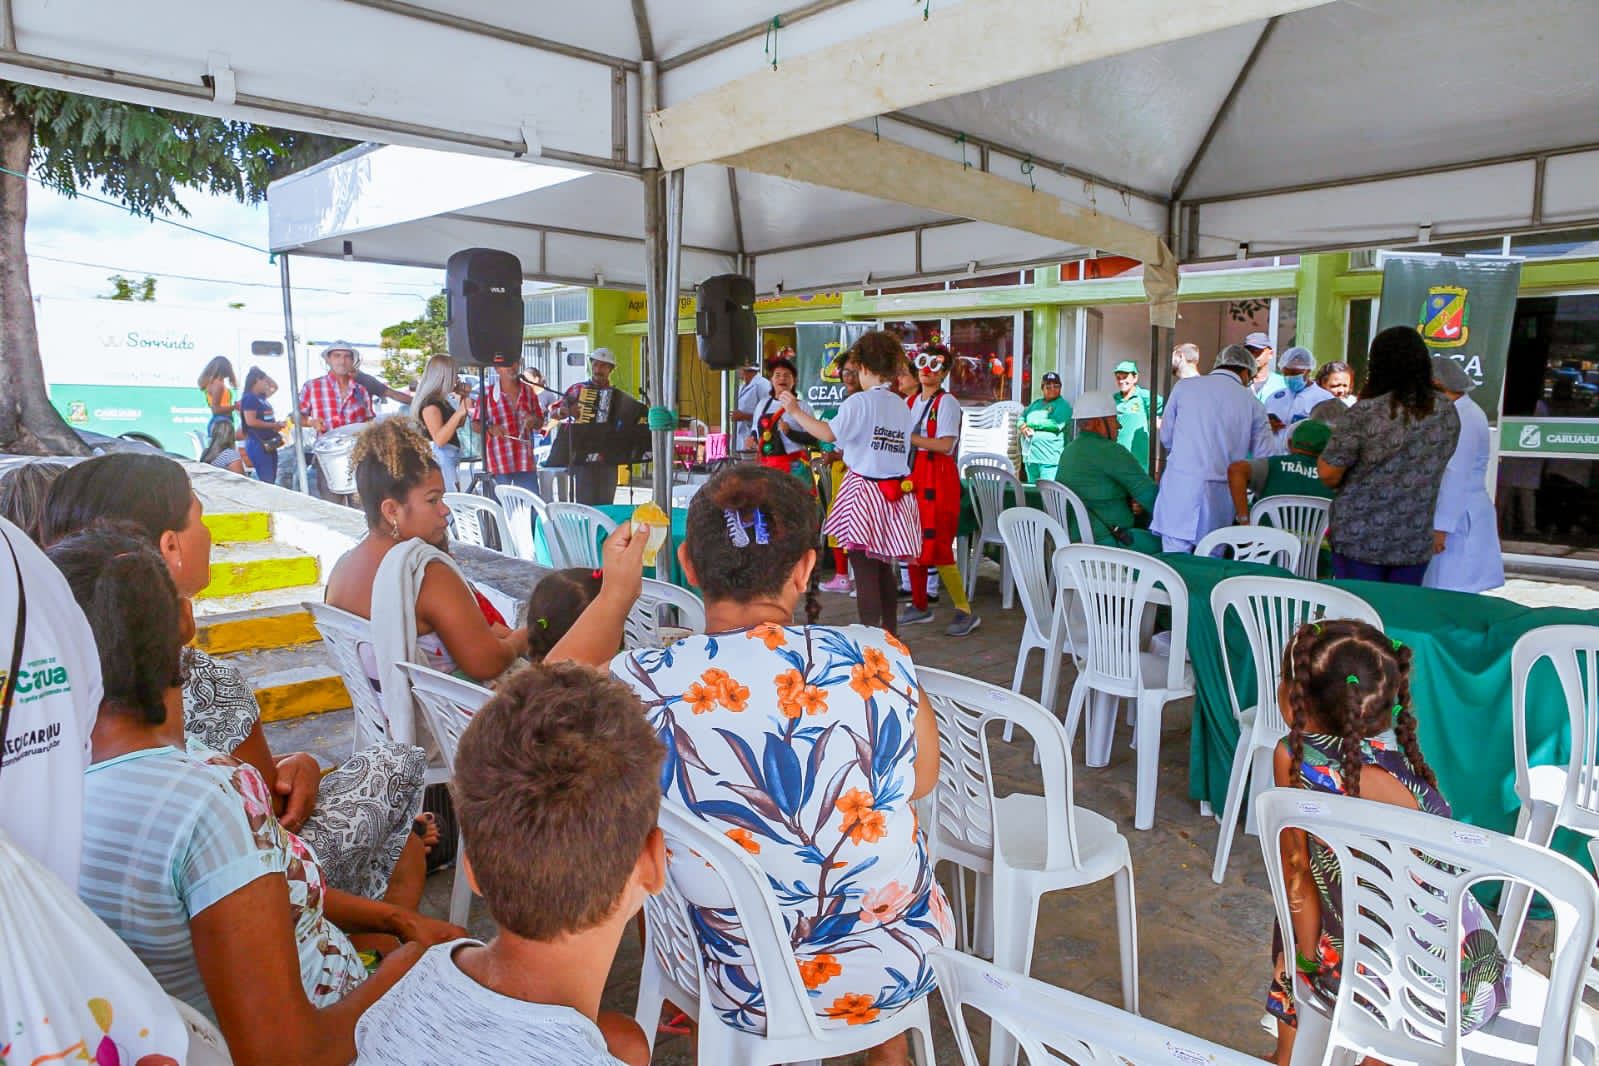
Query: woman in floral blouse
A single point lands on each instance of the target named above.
(805, 745)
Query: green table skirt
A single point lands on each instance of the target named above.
(1460, 689)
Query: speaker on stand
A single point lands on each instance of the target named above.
(483, 324)
(725, 321)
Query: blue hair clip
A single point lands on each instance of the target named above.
(762, 534)
(735, 529)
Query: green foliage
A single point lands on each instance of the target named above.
(402, 367)
(144, 155)
(408, 345)
(125, 288)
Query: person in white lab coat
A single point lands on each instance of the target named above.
(1211, 422)
(1292, 402)
(1465, 528)
(753, 390)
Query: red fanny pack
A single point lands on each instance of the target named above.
(893, 488)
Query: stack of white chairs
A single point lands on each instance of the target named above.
(523, 512)
(1305, 517)
(1253, 544)
(993, 488)
(991, 429)
(1271, 610)
(1405, 876)
(479, 521)
(1053, 1025)
(1116, 589)
(673, 969)
(573, 533)
(448, 704)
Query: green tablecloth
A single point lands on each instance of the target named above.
(621, 512)
(1460, 689)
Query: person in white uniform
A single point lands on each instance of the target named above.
(1298, 368)
(1465, 528)
(1211, 422)
(754, 390)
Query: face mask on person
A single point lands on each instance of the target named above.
(1296, 383)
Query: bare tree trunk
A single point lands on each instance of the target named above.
(29, 424)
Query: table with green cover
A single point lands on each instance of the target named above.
(619, 513)
(1460, 688)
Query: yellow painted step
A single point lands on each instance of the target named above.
(257, 567)
(301, 692)
(257, 632)
(238, 527)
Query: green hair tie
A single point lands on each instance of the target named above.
(1398, 644)
(1315, 627)
(543, 623)
(1352, 679)
(1399, 709)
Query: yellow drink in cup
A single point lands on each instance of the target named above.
(659, 523)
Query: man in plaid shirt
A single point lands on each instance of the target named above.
(513, 415)
(336, 399)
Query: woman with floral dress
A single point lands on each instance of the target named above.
(1345, 695)
(805, 745)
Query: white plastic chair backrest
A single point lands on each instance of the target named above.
(992, 488)
(965, 792)
(1067, 508)
(344, 635)
(1573, 652)
(447, 703)
(1043, 1018)
(986, 459)
(522, 509)
(1113, 587)
(574, 533)
(740, 885)
(1303, 516)
(1253, 544)
(1031, 537)
(473, 517)
(1271, 610)
(1405, 876)
(207, 1046)
(683, 495)
(644, 627)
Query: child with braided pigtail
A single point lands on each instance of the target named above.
(1345, 695)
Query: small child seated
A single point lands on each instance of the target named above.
(1344, 693)
(554, 607)
(557, 790)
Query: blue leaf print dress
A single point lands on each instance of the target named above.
(799, 743)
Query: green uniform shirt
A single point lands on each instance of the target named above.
(1106, 477)
(1287, 475)
(1050, 421)
(1133, 414)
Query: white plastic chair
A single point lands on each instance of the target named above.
(987, 459)
(1253, 544)
(448, 704)
(991, 486)
(472, 518)
(1019, 846)
(672, 961)
(1116, 588)
(1068, 509)
(1271, 610)
(1405, 876)
(573, 534)
(1554, 796)
(523, 511)
(663, 614)
(1043, 1018)
(1030, 537)
(343, 636)
(1303, 516)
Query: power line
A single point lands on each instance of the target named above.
(225, 281)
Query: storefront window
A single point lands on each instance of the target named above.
(986, 359)
(911, 334)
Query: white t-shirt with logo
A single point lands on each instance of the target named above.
(946, 416)
(46, 747)
(873, 430)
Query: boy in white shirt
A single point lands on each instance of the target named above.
(557, 789)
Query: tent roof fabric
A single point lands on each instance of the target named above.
(1338, 124)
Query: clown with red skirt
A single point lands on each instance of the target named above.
(935, 435)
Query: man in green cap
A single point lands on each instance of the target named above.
(1293, 474)
(1044, 428)
(1132, 411)
(1116, 490)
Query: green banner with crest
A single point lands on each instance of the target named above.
(1463, 309)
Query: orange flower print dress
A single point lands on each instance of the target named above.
(798, 742)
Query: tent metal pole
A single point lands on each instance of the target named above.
(666, 351)
(294, 368)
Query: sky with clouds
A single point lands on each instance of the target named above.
(76, 244)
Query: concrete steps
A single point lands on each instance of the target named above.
(257, 566)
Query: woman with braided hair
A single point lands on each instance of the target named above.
(1345, 694)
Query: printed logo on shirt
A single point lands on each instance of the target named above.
(887, 440)
(39, 679)
(38, 741)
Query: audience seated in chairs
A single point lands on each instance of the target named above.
(226, 908)
(358, 818)
(839, 717)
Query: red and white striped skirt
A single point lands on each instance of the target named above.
(863, 520)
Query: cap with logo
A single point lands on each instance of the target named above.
(1093, 405)
(1051, 378)
(1126, 366)
(1257, 341)
(1310, 436)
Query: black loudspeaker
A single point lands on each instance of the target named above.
(726, 321)
(483, 294)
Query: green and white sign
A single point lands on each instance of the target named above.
(816, 346)
(1463, 309)
(1549, 436)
